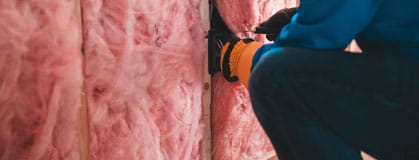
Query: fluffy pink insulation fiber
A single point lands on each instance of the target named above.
(40, 79)
(144, 78)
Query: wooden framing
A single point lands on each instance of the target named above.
(206, 144)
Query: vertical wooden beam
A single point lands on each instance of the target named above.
(84, 129)
(83, 111)
(206, 144)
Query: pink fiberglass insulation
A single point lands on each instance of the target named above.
(40, 80)
(236, 131)
(244, 15)
(144, 78)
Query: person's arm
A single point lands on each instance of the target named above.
(327, 24)
(318, 24)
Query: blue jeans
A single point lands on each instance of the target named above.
(330, 105)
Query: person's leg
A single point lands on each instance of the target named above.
(327, 105)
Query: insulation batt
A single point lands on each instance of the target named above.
(144, 78)
(244, 15)
(40, 80)
(236, 131)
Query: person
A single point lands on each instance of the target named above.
(316, 101)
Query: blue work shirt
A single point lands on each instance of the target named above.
(333, 24)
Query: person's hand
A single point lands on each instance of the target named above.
(278, 21)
